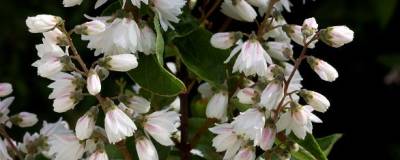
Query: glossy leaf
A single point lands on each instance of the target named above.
(326, 143)
(159, 41)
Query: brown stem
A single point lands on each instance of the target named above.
(124, 150)
(264, 24)
(212, 9)
(4, 133)
(184, 146)
(200, 132)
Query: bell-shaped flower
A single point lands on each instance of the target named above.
(168, 11)
(239, 10)
(51, 59)
(225, 40)
(161, 125)
(147, 40)
(117, 124)
(272, 95)
(217, 107)
(145, 149)
(226, 140)
(85, 125)
(249, 123)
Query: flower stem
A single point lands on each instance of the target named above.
(4, 133)
(265, 23)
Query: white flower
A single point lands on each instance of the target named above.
(147, 40)
(252, 58)
(138, 104)
(168, 11)
(281, 51)
(217, 107)
(146, 149)
(25, 119)
(58, 128)
(226, 140)
(295, 33)
(239, 10)
(71, 3)
(65, 147)
(272, 95)
(337, 36)
(4, 111)
(118, 125)
(324, 70)
(310, 26)
(225, 40)
(66, 91)
(161, 124)
(266, 138)
(246, 95)
(246, 153)
(299, 120)
(5, 89)
(316, 100)
(93, 83)
(120, 36)
(205, 90)
(55, 36)
(28, 141)
(98, 155)
(3, 151)
(93, 27)
(42, 23)
(50, 62)
(249, 123)
(121, 62)
(85, 125)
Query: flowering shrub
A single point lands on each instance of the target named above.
(249, 104)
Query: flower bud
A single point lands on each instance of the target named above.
(310, 27)
(337, 36)
(24, 119)
(239, 10)
(246, 95)
(120, 62)
(295, 33)
(71, 3)
(282, 51)
(293, 146)
(93, 83)
(55, 36)
(91, 28)
(266, 138)
(225, 40)
(324, 70)
(319, 102)
(246, 153)
(85, 125)
(5, 89)
(146, 149)
(138, 104)
(272, 95)
(42, 23)
(217, 106)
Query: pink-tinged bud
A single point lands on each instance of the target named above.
(121, 62)
(337, 36)
(296, 34)
(55, 36)
(217, 107)
(266, 138)
(24, 119)
(324, 70)
(239, 10)
(247, 153)
(42, 23)
(146, 149)
(318, 101)
(225, 40)
(93, 83)
(246, 95)
(85, 125)
(310, 27)
(5, 89)
(93, 27)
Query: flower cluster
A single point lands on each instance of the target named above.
(271, 86)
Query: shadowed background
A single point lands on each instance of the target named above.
(363, 106)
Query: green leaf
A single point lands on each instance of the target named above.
(311, 145)
(186, 26)
(326, 143)
(302, 154)
(153, 77)
(159, 41)
(201, 58)
(113, 152)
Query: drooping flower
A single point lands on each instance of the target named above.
(266, 138)
(225, 40)
(161, 125)
(85, 125)
(217, 107)
(316, 100)
(145, 149)
(93, 83)
(118, 125)
(66, 91)
(249, 123)
(168, 11)
(337, 36)
(324, 70)
(297, 120)
(121, 36)
(55, 36)
(147, 40)
(246, 95)
(71, 3)
(5, 89)
(252, 59)
(65, 146)
(137, 103)
(120, 62)
(51, 59)
(42, 23)
(239, 10)
(226, 140)
(272, 95)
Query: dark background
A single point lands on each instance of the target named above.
(363, 107)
